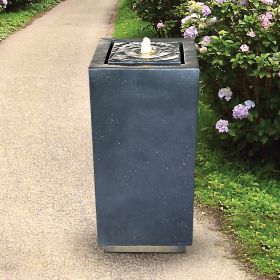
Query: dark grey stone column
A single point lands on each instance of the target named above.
(144, 130)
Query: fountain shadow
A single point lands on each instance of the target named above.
(114, 264)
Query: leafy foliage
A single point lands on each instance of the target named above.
(155, 11)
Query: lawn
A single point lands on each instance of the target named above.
(13, 21)
(245, 194)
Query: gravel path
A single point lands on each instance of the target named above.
(47, 213)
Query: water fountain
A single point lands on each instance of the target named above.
(144, 107)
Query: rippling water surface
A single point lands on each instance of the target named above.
(130, 53)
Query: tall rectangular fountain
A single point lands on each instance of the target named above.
(144, 112)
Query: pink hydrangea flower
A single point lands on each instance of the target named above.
(244, 48)
(222, 126)
(160, 25)
(266, 23)
(4, 3)
(266, 19)
(269, 15)
(267, 2)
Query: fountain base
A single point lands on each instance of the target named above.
(145, 249)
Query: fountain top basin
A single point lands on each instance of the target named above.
(129, 53)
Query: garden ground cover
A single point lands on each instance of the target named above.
(13, 21)
(246, 194)
(128, 24)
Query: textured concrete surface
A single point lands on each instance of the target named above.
(47, 213)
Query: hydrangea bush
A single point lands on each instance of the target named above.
(238, 46)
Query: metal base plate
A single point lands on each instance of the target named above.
(145, 249)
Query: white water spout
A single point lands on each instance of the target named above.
(146, 46)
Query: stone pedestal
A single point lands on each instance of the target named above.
(144, 130)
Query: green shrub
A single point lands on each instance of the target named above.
(15, 4)
(238, 45)
(156, 11)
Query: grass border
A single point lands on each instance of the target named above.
(128, 25)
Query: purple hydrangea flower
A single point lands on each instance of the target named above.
(222, 126)
(160, 25)
(220, 1)
(190, 32)
(206, 11)
(243, 2)
(249, 104)
(225, 93)
(206, 40)
(240, 111)
(244, 48)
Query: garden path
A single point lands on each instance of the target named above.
(47, 216)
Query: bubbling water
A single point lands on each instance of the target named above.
(146, 46)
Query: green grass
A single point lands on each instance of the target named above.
(128, 25)
(247, 196)
(13, 21)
